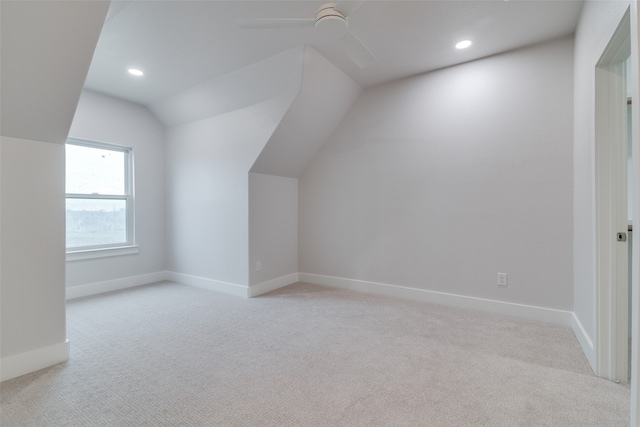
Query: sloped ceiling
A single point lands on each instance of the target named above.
(325, 97)
(180, 44)
(274, 77)
(319, 94)
(199, 63)
(47, 48)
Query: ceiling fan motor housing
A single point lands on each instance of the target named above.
(330, 23)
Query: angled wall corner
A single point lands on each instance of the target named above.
(325, 96)
(273, 232)
(207, 182)
(47, 47)
(215, 132)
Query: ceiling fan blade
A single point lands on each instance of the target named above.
(275, 23)
(356, 50)
(347, 7)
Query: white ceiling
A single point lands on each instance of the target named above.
(183, 43)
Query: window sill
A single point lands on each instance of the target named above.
(102, 253)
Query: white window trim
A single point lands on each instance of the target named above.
(101, 253)
(125, 248)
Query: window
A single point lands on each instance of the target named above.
(99, 198)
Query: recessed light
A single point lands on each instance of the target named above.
(463, 44)
(135, 72)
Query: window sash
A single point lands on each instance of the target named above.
(128, 198)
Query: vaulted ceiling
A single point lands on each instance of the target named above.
(179, 44)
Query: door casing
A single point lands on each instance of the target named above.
(612, 314)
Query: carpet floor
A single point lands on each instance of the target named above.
(173, 355)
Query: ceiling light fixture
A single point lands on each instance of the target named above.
(135, 72)
(463, 44)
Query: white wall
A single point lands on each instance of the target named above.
(324, 97)
(273, 227)
(32, 311)
(207, 164)
(46, 52)
(597, 24)
(440, 181)
(105, 119)
(207, 168)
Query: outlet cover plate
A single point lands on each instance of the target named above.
(502, 279)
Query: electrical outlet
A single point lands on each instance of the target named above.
(258, 265)
(502, 279)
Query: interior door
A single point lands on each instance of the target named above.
(612, 340)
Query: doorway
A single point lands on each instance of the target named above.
(612, 219)
(629, 205)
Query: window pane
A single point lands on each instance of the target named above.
(92, 222)
(94, 171)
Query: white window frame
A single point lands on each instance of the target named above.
(117, 249)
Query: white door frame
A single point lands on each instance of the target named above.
(611, 207)
(635, 277)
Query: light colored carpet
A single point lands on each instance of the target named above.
(174, 355)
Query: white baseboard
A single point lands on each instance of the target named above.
(272, 285)
(560, 317)
(585, 341)
(529, 312)
(30, 361)
(210, 284)
(114, 285)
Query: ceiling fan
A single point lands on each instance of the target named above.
(331, 22)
